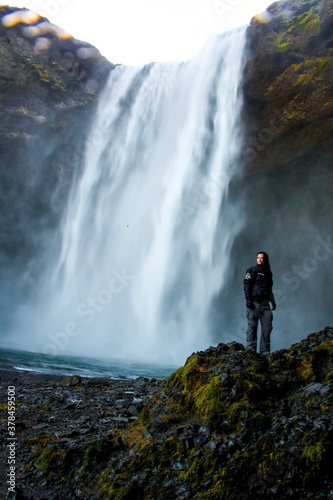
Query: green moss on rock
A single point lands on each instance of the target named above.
(207, 400)
(288, 98)
(297, 31)
(229, 445)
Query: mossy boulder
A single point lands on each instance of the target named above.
(234, 424)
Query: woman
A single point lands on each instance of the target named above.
(258, 284)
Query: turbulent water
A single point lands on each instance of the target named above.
(145, 243)
(83, 366)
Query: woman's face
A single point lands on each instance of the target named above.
(260, 259)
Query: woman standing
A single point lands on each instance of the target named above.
(258, 285)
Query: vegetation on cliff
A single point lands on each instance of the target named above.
(288, 98)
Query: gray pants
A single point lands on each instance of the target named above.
(263, 313)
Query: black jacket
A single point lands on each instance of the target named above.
(258, 283)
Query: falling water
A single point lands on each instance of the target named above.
(144, 245)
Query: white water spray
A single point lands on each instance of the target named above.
(144, 244)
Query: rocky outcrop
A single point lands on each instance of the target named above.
(231, 424)
(228, 424)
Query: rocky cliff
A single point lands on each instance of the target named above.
(49, 87)
(288, 85)
(229, 424)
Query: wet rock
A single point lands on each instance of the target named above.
(141, 381)
(313, 388)
(71, 381)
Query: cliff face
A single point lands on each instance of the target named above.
(49, 87)
(288, 85)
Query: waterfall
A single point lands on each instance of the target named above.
(144, 244)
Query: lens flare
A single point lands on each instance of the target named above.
(45, 28)
(264, 18)
(20, 17)
(33, 28)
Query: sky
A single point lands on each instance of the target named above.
(137, 32)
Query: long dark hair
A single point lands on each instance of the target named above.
(266, 264)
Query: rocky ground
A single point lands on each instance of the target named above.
(70, 411)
